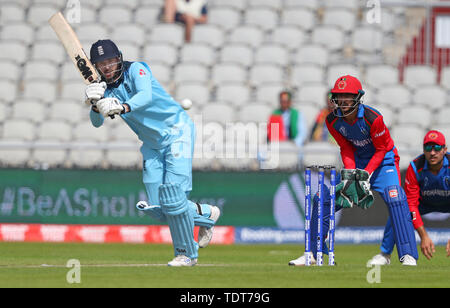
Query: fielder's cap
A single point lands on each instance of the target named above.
(347, 84)
(434, 136)
(103, 50)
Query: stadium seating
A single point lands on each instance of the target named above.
(211, 35)
(10, 70)
(160, 52)
(299, 17)
(272, 54)
(233, 71)
(315, 54)
(11, 12)
(219, 113)
(290, 37)
(419, 75)
(339, 17)
(380, 75)
(418, 115)
(228, 72)
(240, 53)
(36, 69)
(87, 156)
(15, 153)
(306, 73)
(195, 91)
(247, 34)
(14, 50)
(233, 93)
(225, 17)
(433, 97)
(18, 31)
(48, 50)
(49, 154)
(167, 33)
(201, 53)
(190, 72)
(29, 109)
(443, 117)
(265, 73)
(18, 130)
(320, 153)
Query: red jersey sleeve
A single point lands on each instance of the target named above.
(347, 149)
(412, 191)
(382, 142)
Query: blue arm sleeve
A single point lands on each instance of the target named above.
(96, 118)
(142, 78)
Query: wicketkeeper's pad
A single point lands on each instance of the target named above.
(396, 200)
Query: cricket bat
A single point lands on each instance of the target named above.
(74, 49)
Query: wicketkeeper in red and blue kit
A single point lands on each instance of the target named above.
(427, 186)
(370, 162)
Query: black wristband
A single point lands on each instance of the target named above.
(124, 109)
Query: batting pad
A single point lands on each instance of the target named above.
(405, 239)
(174, 205)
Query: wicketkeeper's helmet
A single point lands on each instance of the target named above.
(347, 84)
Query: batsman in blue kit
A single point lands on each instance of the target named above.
(370, 163)
(130, 91)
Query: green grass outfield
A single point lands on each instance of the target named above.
(235, 266)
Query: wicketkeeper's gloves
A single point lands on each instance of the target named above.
(354, 189)
(365, 195)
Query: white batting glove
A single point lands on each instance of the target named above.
(94, 92)
(109, 106)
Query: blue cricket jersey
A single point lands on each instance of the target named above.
(423, 188)
(155, 117)
(366, 143)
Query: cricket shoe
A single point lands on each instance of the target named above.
(205, 234)
(182, 260)
(408, 260)
(301, 261)
(380, 259)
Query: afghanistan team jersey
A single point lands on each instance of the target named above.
(424, 188)
(154, 115)
(364, 144)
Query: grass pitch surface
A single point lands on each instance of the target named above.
(235, 266)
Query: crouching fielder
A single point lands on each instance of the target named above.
(129, 90)
(427, 186)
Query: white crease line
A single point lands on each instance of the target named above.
(102, 265)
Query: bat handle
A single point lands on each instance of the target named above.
(111, 116)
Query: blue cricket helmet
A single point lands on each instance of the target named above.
(104, 50)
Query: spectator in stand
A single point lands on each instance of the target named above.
(188, 12)
(292, 126)
(320, 131)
